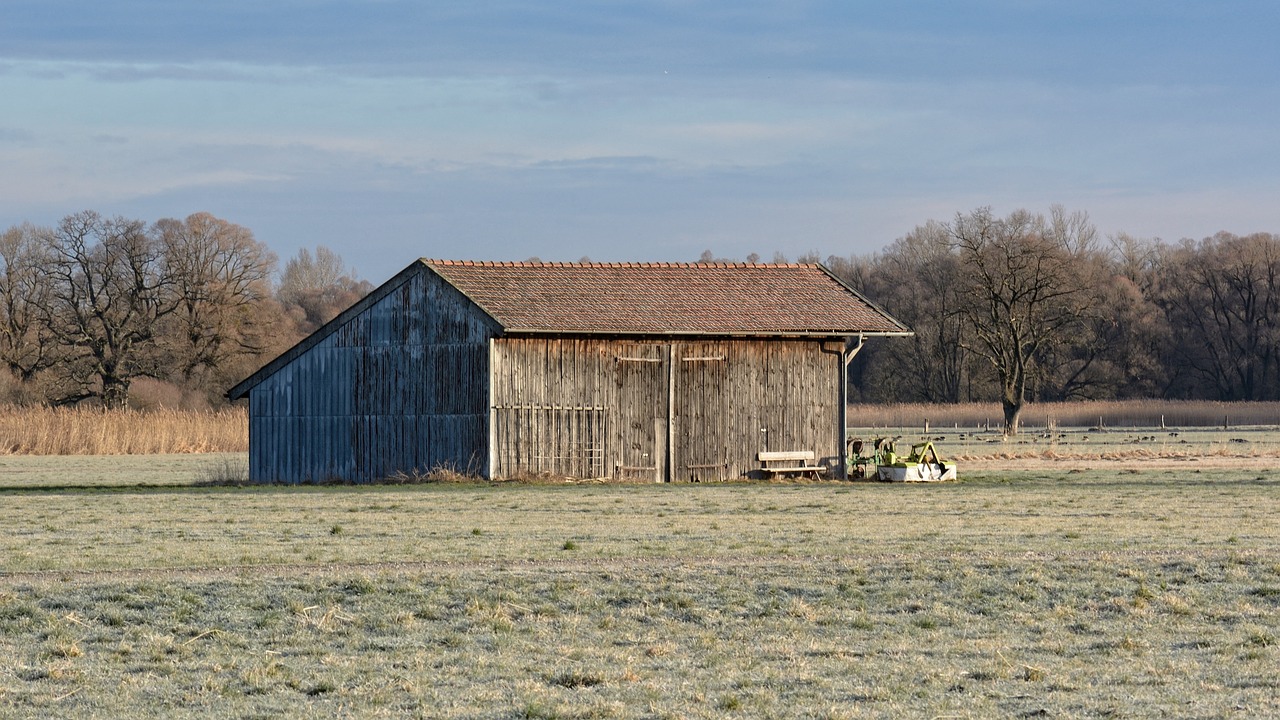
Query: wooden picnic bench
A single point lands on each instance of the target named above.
(789, 462)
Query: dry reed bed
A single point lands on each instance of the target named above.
(67, 431)
(1083, 414)
(1131, 457)
(74, 431)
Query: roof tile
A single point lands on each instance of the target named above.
(662, 298)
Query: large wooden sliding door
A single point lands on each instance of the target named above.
(672, 412)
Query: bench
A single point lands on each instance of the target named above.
(789, 462)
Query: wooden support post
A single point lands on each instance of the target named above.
(850, 350)
(492, 460)
(671, 413)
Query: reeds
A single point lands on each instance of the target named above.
(90, 431)
(1079, 414)
(73, 431)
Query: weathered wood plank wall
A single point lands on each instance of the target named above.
(400, 387)
(404, 386)
(685, 410)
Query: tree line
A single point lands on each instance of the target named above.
(95, 303)
(1036, 307)
(1025, 307)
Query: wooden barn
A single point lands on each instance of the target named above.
(654, 371)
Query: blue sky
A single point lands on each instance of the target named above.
(393, 129)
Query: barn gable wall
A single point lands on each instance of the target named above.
(680, 409)
(401, 386)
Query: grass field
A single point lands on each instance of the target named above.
(1054, 590)
(83, 472)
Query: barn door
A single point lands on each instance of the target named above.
(641, 419)
(701, 412)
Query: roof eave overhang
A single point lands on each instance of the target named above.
(527, 332)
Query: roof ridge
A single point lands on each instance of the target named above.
(661, 264)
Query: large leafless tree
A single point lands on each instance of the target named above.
(27, 345)
(1021, 291)
(90, 305)
(107, 289)
(1222, 298)
(220, 278)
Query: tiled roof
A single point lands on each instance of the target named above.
(666, 298)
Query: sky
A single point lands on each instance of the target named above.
(389, 130)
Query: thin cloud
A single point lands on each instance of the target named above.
(16, 136)
(599, 128)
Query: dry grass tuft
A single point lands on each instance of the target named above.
(232, 471)
(76, 431)
(327, 621)
(443, 474)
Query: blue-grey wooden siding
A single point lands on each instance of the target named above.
(399, 387)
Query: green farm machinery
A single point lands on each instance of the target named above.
(921, 464)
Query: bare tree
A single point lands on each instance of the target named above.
(306, 273)
(1222, 297)
(107, 290)
(917, 280)
(27, 346)
(1021, 291)
(318, 287)
(1120, 350)
(1136, 259)
(221, 277)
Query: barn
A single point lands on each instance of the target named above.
(642, 371)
